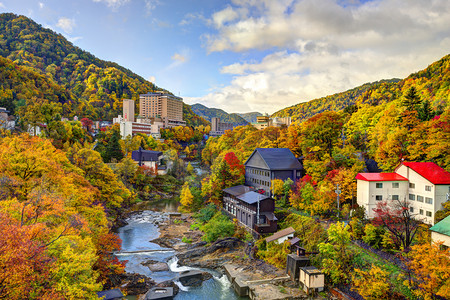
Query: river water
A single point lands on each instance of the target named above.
(137, 236)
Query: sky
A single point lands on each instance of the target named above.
(252, 55)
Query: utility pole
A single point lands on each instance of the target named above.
(338, 192)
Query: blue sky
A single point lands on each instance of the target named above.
(253, 55)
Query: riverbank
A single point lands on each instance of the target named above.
(266, 281)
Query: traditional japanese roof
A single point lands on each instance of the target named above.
(430, 171)
(380, 177)
(270, 216)
(277, 158)
(110, 294)
(237, 190)
(145, 155)
(442, 227)
(252, 197)
(280, 234)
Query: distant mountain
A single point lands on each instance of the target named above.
(191, 118)
(53, 68)
(209, 113)
(250, 117)
(336, 102)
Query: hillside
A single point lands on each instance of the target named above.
(336, 102)
(209, 113)
(250, 117)
(191, 118)
(88, 86)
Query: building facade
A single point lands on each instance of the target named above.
(162, 105)
(425, 186)
(128, 110)
(251, 209)
(266, 164)
(262, 122)
(218, 128)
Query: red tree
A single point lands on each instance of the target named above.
(87, 124)
(397, 218)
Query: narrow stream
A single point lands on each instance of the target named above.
(137, 236)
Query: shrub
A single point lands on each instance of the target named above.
(372, 284)
(373, 235)
(218, 227)
(205, 214)
(186, 240)
(274, 254)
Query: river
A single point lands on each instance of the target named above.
(137, 236)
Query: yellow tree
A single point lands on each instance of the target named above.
(372, 284)
(186, 198)
(431, 267)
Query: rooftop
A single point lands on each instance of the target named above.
(280, 234)
(442, 227)
(237, 190)
(277, 158)
(252, 197)
(380, 177)
(145, 155)
(430, 171)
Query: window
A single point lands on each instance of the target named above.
(419, 198)
(428, 188)
(378, 197)
(394, 197)
(412, 197)
(429, 214)
(421, 211)
(379, 185)
(412, 185)
(428, 200)
(395, 185)
(411, 209)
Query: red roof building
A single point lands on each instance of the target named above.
(380, 177)
(430, 171)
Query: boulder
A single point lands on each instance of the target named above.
(158, 267)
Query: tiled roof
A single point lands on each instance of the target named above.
(278, 158)
(380, 177)
(430, 171)
(252, 197)
(280, 234)
(442, 227)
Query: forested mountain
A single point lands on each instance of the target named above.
(250, 117)
(43, 64)
(209, 113)
(191, 118)
(336, 102)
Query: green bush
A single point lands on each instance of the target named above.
(218, 227)
(373, 235)
(186, 240)
(205, 214)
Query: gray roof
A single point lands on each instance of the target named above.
(252, 197)
(278, 158)
(145, 155)
(110, 294)
(237, 190)
(280, 234)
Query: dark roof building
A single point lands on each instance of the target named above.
(142, 156)
(266, 164)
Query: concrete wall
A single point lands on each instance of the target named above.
(436, 237)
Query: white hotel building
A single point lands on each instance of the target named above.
(424, 184)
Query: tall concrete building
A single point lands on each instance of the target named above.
(218, 128)
(128, 110)
(162, 105)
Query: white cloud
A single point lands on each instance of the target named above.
(179, 58)
(66, 24)
(114, 4)
(151, 79)
(191, 17)
(2, 5)
(150, 5)
(41, 5)
(317, 48)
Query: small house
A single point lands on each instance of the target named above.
(281, 236)
(441, 232)
(312, 279)
(148, 158)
